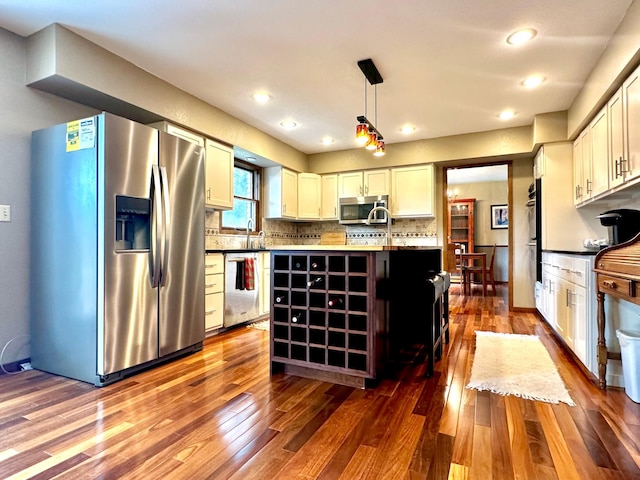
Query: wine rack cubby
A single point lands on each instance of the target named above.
(322, 314)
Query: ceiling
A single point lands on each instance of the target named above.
(446, 66)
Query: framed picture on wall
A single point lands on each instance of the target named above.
(499, 216)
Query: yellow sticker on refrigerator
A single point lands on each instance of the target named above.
(81, 134)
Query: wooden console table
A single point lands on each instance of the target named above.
(617, 271)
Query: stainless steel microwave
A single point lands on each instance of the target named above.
(354, 210)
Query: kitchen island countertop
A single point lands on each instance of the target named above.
(330, 248)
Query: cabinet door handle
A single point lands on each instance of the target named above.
(624, 161)
(617, 167)
(335, 211)
(568, 302)
(208, 193)
(589, 189)
(366, 189)
(610, 284)
(211, 311)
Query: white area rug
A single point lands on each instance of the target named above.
(261, 325)
(519, 365)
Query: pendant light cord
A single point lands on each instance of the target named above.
(365, 97)
(375, 102)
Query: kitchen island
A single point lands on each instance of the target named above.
(343, 313)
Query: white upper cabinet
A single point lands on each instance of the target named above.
(598, 180)
(630, 166)
(581, 166)
(218, 171)
(350, 184)
(329, 198)
(609, 148)
(376, 182)
(309, 196)
(280, 193)
(412, 191)
(369, 182)
(591, 160)
(616, 138)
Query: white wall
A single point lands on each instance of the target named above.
(23, 110)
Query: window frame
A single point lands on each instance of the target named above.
(257, 181)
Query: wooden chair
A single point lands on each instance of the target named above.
(468, 271)
(488, 273)
(454, 262)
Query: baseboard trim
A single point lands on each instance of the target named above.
(525, 309)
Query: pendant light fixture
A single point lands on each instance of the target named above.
(366, 133)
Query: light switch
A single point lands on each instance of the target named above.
(5, 213)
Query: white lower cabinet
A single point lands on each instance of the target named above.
(265, 283)
(568, 302)
(213, 291)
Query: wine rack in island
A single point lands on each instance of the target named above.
(322, 314)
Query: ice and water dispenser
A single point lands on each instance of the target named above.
(133, 220)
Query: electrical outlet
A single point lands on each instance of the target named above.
(5, 213)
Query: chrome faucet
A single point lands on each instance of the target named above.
(262, 239)
(384, 209)
(249, 227)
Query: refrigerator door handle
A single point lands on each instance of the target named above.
(157, 226)
(166, 226)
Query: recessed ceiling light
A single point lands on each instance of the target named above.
(261, 97)
(327, 140)
(288, 124)
(506, 115)
(521, 36)
(533, 81)
(407, 129)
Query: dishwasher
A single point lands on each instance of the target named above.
(242, 284)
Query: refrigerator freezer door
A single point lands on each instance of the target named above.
(128, 309)
(181, 323)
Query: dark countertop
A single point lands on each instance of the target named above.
(575, 252)
(346, 248)
(235, 250)
(352, 248)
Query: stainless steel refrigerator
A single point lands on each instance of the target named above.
(117, 248)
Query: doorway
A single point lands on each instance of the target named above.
(484, 192)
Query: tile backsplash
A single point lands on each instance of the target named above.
(413, 232)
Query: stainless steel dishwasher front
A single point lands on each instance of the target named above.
(242, 284)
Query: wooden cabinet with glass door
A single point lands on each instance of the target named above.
(461, 223)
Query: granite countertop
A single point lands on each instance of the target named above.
(574, 252)
(333, 248)
(234, 250)
(352, 248)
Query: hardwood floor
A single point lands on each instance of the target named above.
(218, 414)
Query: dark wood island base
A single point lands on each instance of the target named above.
(343, 316)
